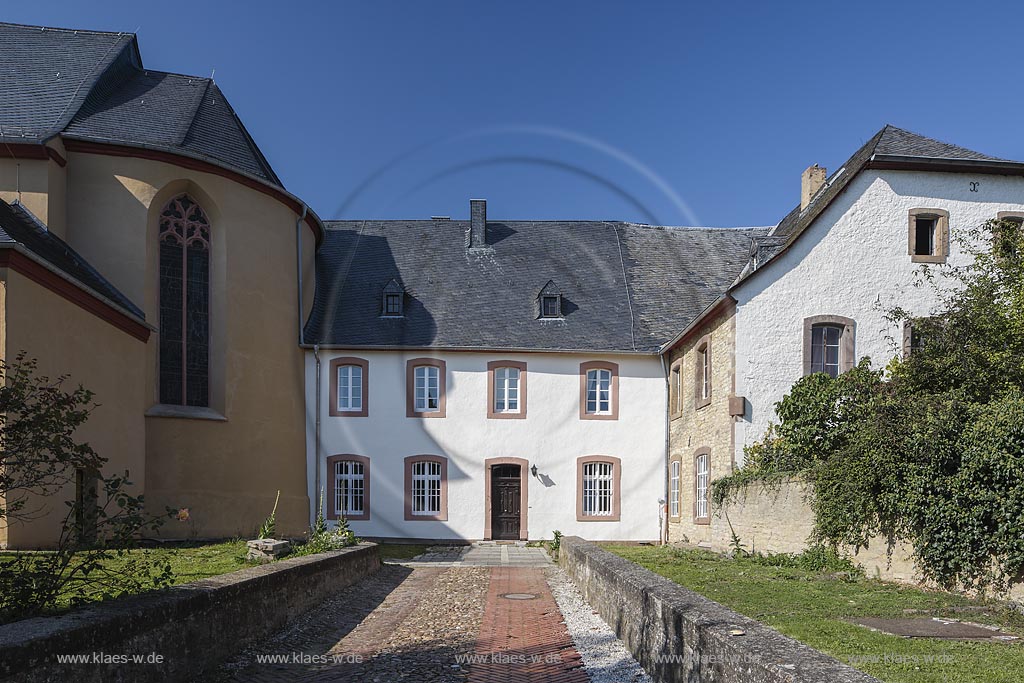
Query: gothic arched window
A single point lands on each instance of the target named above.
(184, 303)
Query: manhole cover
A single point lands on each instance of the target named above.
(946, 629)
(519, 596)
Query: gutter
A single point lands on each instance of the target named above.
(479, 349)
(914, 163)
(316, 435)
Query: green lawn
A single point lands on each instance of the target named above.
(812, 607)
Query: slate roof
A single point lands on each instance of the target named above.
(625, 287)
(18, 227)
(890, 143)
(92, 85)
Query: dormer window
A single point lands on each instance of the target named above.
(549, 307)
(549, 302)
(394, 298)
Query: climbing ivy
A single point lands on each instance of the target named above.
(930, 449)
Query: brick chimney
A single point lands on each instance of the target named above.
(811, 181)
(477, 223)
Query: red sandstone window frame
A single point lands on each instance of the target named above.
(442, 515)
(492, 412)
(333, 368)
(616, 493)
(613, 413)
(329, 508)
(410, 387)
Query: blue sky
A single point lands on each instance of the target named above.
(668, 112)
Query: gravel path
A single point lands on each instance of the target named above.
(606, 659)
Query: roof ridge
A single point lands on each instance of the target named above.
(78, 99)
(68, 30)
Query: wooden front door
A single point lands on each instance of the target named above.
(506, 486)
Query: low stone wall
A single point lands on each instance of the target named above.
(191, 628)
(775, 517)
(681, 636)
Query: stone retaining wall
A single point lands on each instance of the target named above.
(680, 636)
(193, 627)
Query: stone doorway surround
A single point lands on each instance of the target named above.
(524, 494)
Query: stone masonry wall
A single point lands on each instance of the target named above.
(708, 427)
(192, 627)
(680, 636)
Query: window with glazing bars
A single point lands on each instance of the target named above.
(701, 488)
(674, 490)
(599, 391)
(393, 304)
(348, 488)
(597, 489)
(426, 389)
(704, 358)
(506, 390)
(426, 488)
(825, 343)
(184, 292)
(350, 388)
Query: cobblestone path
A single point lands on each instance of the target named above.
(440, 620)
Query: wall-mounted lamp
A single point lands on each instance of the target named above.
(533, 470)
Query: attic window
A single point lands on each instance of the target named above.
(550, 307)
(392, 302)
(928, 239)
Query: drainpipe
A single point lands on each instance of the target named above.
(663, 526)
(316, 431)
(298, 268)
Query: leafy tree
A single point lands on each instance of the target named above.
(40, 457)
(930, 450)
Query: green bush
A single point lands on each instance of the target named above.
(931, 449)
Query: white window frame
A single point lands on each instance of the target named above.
(705, 372)
(507, 390)
(702, 473)
(349, 488)
(674, 480)
(597, 396)
(426, 488)
(351, 390)
(677, 386)
(426, 378)
(598, 489)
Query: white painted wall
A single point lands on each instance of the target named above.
(552, 436)
(852, 262)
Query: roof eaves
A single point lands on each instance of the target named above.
(21, 249)
(477, 349)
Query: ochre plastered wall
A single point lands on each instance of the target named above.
(68, 340)
(226, 471)
(708, 427)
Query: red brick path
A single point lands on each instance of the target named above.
(524, 641)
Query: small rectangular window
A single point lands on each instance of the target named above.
(677, 390)
(550, 307)
(597, 489)
(924, 242)
(701, 473)
(506, 390)
(426, 488)
(674, 490)
(825, 345)
(393, 304)
(427, 389)
(599, 392)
